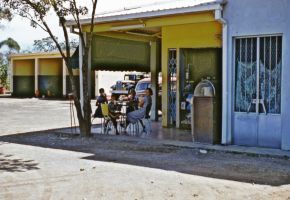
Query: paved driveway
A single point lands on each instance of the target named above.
(26, 115)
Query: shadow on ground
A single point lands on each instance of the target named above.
(149, 153)
(10, 164)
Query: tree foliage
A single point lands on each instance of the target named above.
(13, 47)
(5, 13)
(11, 44)
(38, 11)
(48, 45)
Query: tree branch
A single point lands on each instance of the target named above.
(79, 24)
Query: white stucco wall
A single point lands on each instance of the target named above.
(260, 17)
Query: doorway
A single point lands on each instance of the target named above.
(195, 66)
(257, 106)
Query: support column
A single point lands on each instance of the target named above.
(154, 80)
(227, 83)
(11, 75)
(63, 78)
(36, 72)
(90, 73)
(81, 74)
(164, 97)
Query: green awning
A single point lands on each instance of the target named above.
(114, 54)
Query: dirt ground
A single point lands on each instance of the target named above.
(255, 170)
(56, 165)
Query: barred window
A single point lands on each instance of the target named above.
(258, 76)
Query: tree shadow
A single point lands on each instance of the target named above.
(149, 153)
(10, 164)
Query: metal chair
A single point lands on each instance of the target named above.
(107, 124)
(102, 121)
(134, 127)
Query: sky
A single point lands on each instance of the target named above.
(20, 30)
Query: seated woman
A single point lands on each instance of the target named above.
(114, 112)
(100, 99)
(133, 102)
(137, 115)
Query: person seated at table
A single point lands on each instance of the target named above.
(114, 112)
(137, 115)
(100, 99)
(133, 102)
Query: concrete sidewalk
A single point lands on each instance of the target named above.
(254, 151)
(169, 137)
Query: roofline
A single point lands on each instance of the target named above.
(37, 55)
(150, 14)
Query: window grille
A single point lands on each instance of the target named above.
(262, 76)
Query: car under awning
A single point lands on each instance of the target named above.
(114, 54)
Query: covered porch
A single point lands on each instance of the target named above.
(184, 42)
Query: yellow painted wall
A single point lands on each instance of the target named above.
(50, 67)
(23, 67)
(197, 35)
(157, 21)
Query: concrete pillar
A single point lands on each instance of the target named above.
(36, 72)
(11, 75)
(164, 64)
(63, 78)
(154, 79)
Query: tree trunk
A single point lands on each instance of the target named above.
(84, 118)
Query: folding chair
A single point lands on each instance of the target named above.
(108, 124)
(102, 121)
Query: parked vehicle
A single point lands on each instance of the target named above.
(123, 87)
(134, 77)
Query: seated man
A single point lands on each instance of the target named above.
(100, 99)
(114, 112)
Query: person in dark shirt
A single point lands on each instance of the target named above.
(133, 101)
(100, 99)
(114, 112)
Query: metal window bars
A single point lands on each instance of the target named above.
(258, 76)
